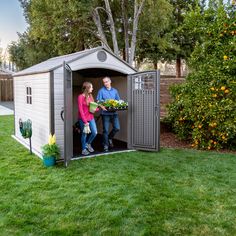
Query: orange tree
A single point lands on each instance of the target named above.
(204, 107)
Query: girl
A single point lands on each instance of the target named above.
(86, 118)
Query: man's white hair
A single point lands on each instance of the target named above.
(106, 77)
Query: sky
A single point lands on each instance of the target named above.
(11, 22)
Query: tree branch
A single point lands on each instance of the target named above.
(126, 28)
(137, 12)
(97, 21)
(112, 28)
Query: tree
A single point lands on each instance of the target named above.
(182, 41)
(55, 28)
(153, 38)
(61, 27)
(203, 109)
(130, 42)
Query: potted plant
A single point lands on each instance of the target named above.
(50, 151)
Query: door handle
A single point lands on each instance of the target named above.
(62, 114)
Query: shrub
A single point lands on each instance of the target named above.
(204, 108)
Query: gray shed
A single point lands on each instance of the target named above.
(46, 94)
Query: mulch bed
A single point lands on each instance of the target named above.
(169, 139)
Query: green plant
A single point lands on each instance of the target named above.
(113, 103)
(51, 149)
(204, 109)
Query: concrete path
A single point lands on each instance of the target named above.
(6, 108)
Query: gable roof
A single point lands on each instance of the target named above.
(56, 62)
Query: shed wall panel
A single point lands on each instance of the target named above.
(37, 112)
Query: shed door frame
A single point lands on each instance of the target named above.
(144, 111)
(68, 119)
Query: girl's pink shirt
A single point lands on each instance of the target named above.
(83, 109)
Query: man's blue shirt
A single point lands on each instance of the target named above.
(104, 94)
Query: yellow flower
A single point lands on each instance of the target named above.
(225, 57)
(222, 88)
(212, 88)
(51, 139)
(226, 91)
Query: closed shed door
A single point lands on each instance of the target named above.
(144, 111)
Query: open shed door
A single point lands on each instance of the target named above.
(144, 111)
(68, 119)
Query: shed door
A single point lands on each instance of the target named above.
(68, 119)
(144, 111)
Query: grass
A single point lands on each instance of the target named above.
(173, 192)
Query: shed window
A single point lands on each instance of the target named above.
(144, 82)
(28, 95)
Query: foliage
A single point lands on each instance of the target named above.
(51, 149)
(55, 28)
(204, 108)
(181, 40)
(152, 36)
(113, 103)
(28, 51)
(62, 27)
(172, 192)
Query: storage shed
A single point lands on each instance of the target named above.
(46, 94)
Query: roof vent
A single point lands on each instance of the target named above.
(102, 56)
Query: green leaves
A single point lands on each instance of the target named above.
(206, 112)
(51, 150)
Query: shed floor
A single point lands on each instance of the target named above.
(97, 145)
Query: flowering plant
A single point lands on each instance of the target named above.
(111, 104)
(51, 149)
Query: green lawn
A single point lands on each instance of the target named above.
(173, 192)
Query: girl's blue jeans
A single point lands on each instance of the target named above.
(88, 138)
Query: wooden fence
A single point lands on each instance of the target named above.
(6, 89)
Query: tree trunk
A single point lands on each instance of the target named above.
(155, 65)
(124, 6)
(97, 21)
(112, 28)
(123, 54)
(178, 67)
(137, 12)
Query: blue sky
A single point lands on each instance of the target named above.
(11, 21)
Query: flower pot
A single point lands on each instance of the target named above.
(93, 106)
(49, 161)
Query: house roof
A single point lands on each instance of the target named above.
(56, 62)
(5, 72)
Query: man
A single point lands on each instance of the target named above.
(107, 92)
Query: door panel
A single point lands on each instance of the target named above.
(68, 119)
(144, 118)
